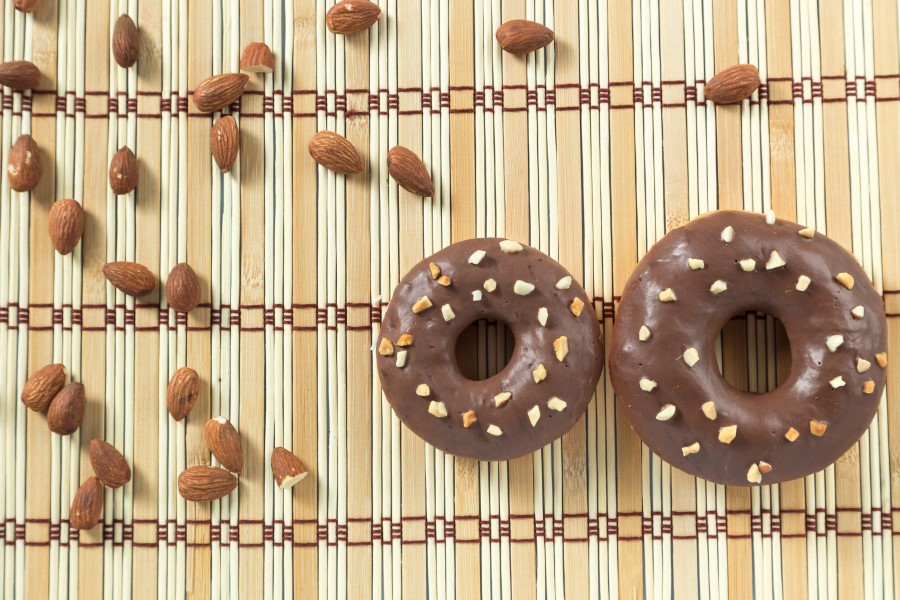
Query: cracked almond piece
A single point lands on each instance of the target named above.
(858, 312)
(542, 316)
(817, 428)
(422, 304)
(490, 285)
(774, 261)
(401, 359)
(564, 283)
(469, 418)
(447, 312)
(386, 347)
(718, 287)
(523, 288)
(691, 449)
(648, 385)
(423, 390)
(862, 365)
(561, 347)
(696, 264)
(540, 373)
(845, 279)
(287, 469)
(667, 295)
(691, 357)
(709, 410)
(770, 217)
(792, 435)
(747, 264)
(511, 246)
(502, 398)
(576, 307)
(534, 415)
(556, 404)
(494, 430)
(438, 409)
(476, 295)
(728, 234)
(802, 283)
(727, 434)
(644, 333)
(868, 387)
(405, 339)
(807, 232)
(881, 359)
(476, 257)
(666, 412)
(764, 467)
(435, 270)
(753, 474)
(444, 280)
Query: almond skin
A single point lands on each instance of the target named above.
(732, 85)
(287, 468)
(218, 91)
(109, 465)
(41, 387)
(183, 288)
(224, 442)
(26, 6)
(335, 152)
(87, 505)
(352, 16)
(24, 168)
(20, 75)
(521, 37)
(65, 224)
(126, 42)
(257, 58)
(66, 409)
(409, 171)
(123, 171)
(204, 483)
(224, 141)
(132, 278)
(182, 393)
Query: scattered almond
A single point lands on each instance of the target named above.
(287, 468)
(109, 465)
(421, 304)
(41, 387)
(20, 75)
(352, 16)
(868, 387)
(437, 409)
(817, 428)
(218, 91)
(520, 36)
(182, 393)
(691, 449)
(709, 410)
(205, 483)
(434, 269)
(501, 399)
(561, 347)
(881, 359)
(224, 442)
(123, 171)
(130, 277)
(764, 467)
(667, 295)
(577, 306)
(126, 42)
(792, 435)
(183, 288)
(469, 418)
(444, 280)
(335, 153)
(405, 339)
(224, 142)
(257, 57)
(733, 84)
(66, 409)
(845, 279)
(87, 505)
(24, 167)
(386, 347)
(753, 474)
(727, 434)
(409, 171)
(65, 224)
(666, 412)
(862, 365)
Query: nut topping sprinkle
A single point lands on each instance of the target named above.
(845, 279)
(727, 433)
(728, 234)
(542, 316)
(385, 347)
(833, 342)
(422, 304)
(807, 232)
(561, 347)
(494, 430)
(423, 390)
(401, 359)
(644, 333)
(648, 385)
(858, 312)
(437, 409)
(475, 257)
(539, 373)
(448, 313)
(868, 387)
(435, 270)
(405, 339)
(709, 410)
(444, 280)
(490, 285)
(837, 382)
(469, 418)
(556, 404)
(753, 474)
(817, 428)
(792, 435)
(692, 449)
(770, 217)
(881, 359)
(764, 467)
(534, 414)
(666, 412)
(718, 287)
(774, 261)
(576, 307)
(667, 295)
(564, 283)
(511, 246)
(476, 295)
(502, 398)
(691, 357)
(523, 288)
(696, 264)
(747, 264)
(862, 365)
(802, 283)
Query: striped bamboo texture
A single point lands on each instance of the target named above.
(589, 150)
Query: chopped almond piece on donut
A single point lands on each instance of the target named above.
(837, 382)
(833, 342)
(476, 295)
(862, 365)
(718, 287)
(696, 264)
(494, 430)
(476, 257)
(845, 279)
(692, 449)
(405, 339)
(423, 303)
(556, 404)
(447, 312)
(561, 347)
(691, 357)
(648, 385)
(753, 474)
(881, 359)
(802, 283)
(858, 312)
(644, 333)
(709, 410)
(437, 409)
(817, 428)
(667, 295)
(534, 414)
(523, 288)
(774, 261)
(435, 270)
(576, 307)
(727, 434)
(666, 412)
(385, 347)
(502, 398)
(444, 280)
(792, 435)
(807, 232)
(868, 387)
(764, 467)
(401, 359)
(423, 390)
(770, 217)
(564, 283)
(543, 313)
(728, 234)
(510, 246)
(490, 285)
(747, 264)
(539, 373)
(468, 418)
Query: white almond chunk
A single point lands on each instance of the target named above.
(858, 312)
(542, 316)
(728, 234)
(539, 373)
(511, 246)
(666, 412)
(561, 347)
(564, 283)
(648, 385)
(862, 365)
(753, 474)
(770, 217)
(423, 390)
(775, 261)
(401, 359)
(437, 409)
(523, 288)
(476, 295)
(692, 449)
(727, 434)
(490, 285)
(502, 398)
(807, 232)
(534, 414)
(667, 295)
(476, 257)
(802, 283)
(644, 333)
(837, 382)
(845, 279)
(494, 430)
(709, 410)
(696, 264)
(718, 287)
(691, 357)
(556, 404)
(834, 342)
(421, 304)
(748, 264)
(448, 313)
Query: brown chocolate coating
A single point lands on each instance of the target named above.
(431, 358)
(697, 315)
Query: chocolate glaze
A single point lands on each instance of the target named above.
(697, 316)
(431, 358)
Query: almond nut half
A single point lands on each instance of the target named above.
(352, 16)
(205, 483)
(20, 75)
(182, 393)
(183, 288)
(257, 57)
(224, 442)
(123, 171)
(216, 92)
(131, 278)
(409, 172)
(109, 465)
(87, 505)
(126, 42)
(66, 409)
(335, 152)
(520, 36)
(41, 387)
(732, 85)
(65, 224)
(224, 142)
(24, 167)
(287, 468)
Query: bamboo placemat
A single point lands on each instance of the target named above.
(589, 150)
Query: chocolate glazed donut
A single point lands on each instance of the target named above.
(663, 364)
(549, 380)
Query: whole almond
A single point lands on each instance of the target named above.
(409, 171)
(65, 224)
(224, 141)
(732, 85)
(41, 387)
(218, 91)
(335, 152)
(287, 468)
(126, 42)
(87, 505)
(183, 288)
(182, 393)
(521, 37)
(26, 6)
(225, 443)
(257, 58)
(204, 483)
(352, 16)
(109, 465)
(24, 168)
(20, 75)
(132, 278)
(66, 409)
(123, 171)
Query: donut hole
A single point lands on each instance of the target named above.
(484, 348)
(755, 347)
